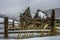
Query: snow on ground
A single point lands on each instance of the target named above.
(38, 38)
(45, 38)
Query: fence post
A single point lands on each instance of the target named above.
(52, 22)
(6, 27)
(13, 23)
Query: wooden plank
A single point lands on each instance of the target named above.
(29, 31)
(24, 32)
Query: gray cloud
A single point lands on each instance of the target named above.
(45, 4)
(12, 8)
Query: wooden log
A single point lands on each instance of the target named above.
(6, 27)
(52, 22)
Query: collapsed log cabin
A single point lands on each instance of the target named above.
(27, 21)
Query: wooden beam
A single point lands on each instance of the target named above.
(52, 22)
(6, 27)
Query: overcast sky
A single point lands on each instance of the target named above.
(12, 8)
